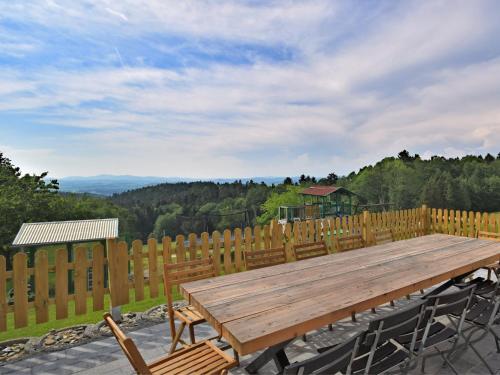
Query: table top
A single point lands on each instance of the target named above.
(257, 309)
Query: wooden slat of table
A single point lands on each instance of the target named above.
(325, 266)
(260, 309)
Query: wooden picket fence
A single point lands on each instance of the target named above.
(132, 268)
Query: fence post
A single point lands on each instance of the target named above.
(425, 220)
(118, 277)
(366, 227)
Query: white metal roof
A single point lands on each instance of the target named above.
(32, 234)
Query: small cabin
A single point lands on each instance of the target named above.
(320, 202)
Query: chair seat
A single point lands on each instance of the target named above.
(438, 332)
(189, 315)
(480, 311)
(385, 357)
(201, 358)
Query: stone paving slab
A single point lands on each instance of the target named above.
(105, 356)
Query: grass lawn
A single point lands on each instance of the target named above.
(34, 330)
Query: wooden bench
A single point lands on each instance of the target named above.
(383, 236)
(201, 358)
(350, 242)
(264, 258)
(175, 274)
(310, 250)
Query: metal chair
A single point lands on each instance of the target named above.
(483, 316)
(336, 359)
(377, 353)
(201, 358)
(264, 258)
(175, 274)
(432, 332)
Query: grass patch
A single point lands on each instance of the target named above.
(34, 330)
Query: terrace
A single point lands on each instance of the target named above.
(443, 242)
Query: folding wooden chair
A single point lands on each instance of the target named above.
(383, 236)
(351, 242)
(201, 358)
(175, 274)
(310, 250)
(336, 359)
(264, 258)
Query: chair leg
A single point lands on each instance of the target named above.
(304, 337)
(177, 337)
(392, 303)
(497, 339)
(408, 297)
(236, 357)
(353, 317)
(191, 334)
(330, 327)
(373, 310)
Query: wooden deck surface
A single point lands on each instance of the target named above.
(257, 309)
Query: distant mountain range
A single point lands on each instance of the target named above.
(110, 184)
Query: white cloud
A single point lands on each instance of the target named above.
(405, 79)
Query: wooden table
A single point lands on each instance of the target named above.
(258, 309)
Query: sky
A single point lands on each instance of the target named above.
(244, 88)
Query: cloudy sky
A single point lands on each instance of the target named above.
(244, 88)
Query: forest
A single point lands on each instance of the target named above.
(403, 181)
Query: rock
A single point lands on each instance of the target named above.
(49, 341)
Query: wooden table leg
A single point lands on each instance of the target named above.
(276, 353)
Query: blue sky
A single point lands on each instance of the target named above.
(244, 88)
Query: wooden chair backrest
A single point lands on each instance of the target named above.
(310, 250)
(488, 235)
(184, 272)
(128, 346)
(351, 242)
(264, 258)
(383, 236)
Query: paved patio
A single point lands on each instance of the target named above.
(105, 356)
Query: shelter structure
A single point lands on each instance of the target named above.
(45, 234)
(320, 202)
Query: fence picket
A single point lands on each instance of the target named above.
(98, 277)
(193, 246)
(216, 250)
(237, 250)
(205, 245)
(153, 267)
(137, 247)
(227, 251)
(61, 284)
(41, 286)
(80, 266)
(20, 283)
(166, 243)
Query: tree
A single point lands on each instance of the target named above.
(22, 198)
(404, 156)
(331, 179)
(489, 158)
(271, 206)
(302, 178)
(287, 181)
